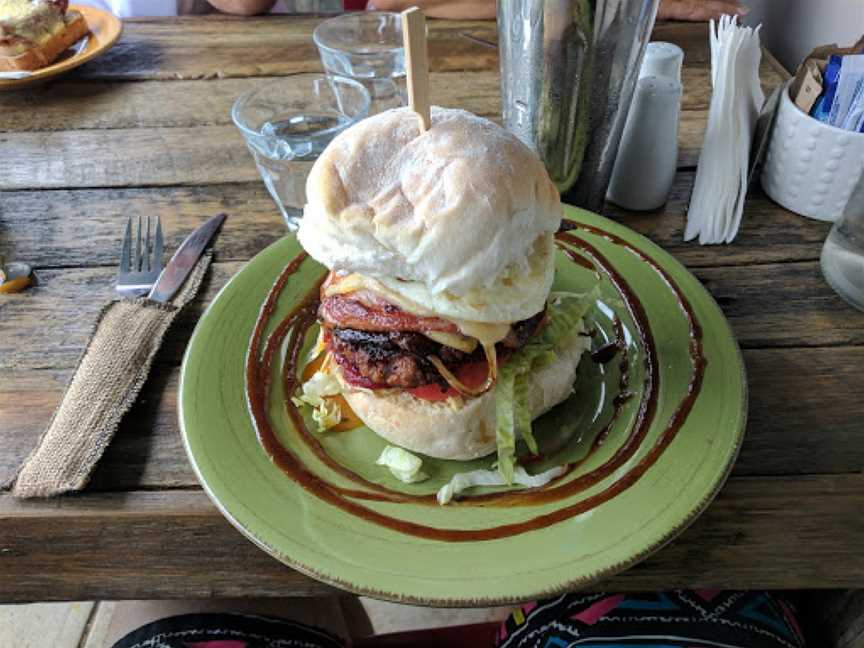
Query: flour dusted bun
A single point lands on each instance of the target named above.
(438, 429)
(459, 218)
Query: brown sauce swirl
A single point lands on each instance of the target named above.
(295, 325)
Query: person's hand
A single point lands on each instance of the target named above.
(242, 7)
(699, 10)
(695, 10)
(454, 9)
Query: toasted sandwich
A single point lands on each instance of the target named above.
(33, 33)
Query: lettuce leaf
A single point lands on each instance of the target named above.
(461, 482)
(522, 412)
(405, 466)
(566, 310)
(326, 413)
(512, 397)
(505, 422)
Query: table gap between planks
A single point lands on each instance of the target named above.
(146, 130)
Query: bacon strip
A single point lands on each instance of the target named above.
(347, 311)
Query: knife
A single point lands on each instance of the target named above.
(184, 260)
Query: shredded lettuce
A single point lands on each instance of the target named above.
(318, 348)
(463, 481)
(522, 412)
(566, 310)
(326, 413)
(512, 398)
(405, 466)
(505, 420)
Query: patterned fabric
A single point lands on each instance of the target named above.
(679, 619)
(227, 631)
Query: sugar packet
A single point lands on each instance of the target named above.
(848, 90)
(822, 109)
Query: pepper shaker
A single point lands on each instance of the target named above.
(648, 156)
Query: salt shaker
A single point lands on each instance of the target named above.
(648, 156)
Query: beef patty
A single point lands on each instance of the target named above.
(398, 358)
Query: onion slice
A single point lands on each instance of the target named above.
(455, 383)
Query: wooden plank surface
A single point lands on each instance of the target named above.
(175, 544)
(201, 146)
(182, 48)
(787, 411)
(795, 308)
(70, 105)
(146, 130)
(217, 47)
(162, 156)
(46, 228)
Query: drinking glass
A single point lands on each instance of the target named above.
(843, 253)
(367, 47)
(287, 124)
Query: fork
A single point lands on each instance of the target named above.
(140, 267)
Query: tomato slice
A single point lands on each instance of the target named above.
(433, 392)
(472, 374)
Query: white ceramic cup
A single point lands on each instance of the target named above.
(811, 168)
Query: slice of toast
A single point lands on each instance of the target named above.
(45, 53)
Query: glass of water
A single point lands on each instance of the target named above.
(289, 122)
(367, 47)
(843, 253)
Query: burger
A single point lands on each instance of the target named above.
(436, 317)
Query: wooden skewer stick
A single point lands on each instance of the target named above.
(417, 64)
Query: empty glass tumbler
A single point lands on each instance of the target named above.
(287, 124)
(367, 47)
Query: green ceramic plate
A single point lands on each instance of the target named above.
(650, 434)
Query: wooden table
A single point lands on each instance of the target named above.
(146, 130)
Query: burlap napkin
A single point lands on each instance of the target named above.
(107, 380)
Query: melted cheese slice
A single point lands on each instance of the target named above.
(453, 340)
(485, 333)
